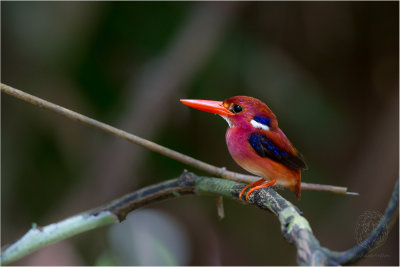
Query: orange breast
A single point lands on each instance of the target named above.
(245, 156)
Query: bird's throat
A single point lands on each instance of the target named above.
(228, 121)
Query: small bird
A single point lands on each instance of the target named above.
(256, 143)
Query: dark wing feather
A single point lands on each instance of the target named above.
(266, 148)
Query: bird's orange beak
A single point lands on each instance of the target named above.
(216, 107)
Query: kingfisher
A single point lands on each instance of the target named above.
(256, 143)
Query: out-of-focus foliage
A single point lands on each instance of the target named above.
(328, 70)
(150, 237)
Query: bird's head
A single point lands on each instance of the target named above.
(238, 111)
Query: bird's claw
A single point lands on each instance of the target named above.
(256, 185)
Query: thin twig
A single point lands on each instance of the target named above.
(295, 228)
(200, 165)
(188, 50)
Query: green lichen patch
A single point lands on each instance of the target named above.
(205, 185)
(289, 218)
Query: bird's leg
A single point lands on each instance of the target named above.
(267, 184)
(258, 182)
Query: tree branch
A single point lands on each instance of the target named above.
(371, 242)
(200, 165)
(295, 228)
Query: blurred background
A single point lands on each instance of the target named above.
(328, 70)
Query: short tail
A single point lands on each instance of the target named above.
(297, 187)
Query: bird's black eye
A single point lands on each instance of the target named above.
(236, 108)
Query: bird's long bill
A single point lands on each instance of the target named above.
(216, 107)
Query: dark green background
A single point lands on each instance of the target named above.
(328, 70)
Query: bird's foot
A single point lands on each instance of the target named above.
(251, 185)
(257, 185)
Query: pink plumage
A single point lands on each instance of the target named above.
(255, 141)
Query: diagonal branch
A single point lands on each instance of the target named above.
(200, 165)
(372, 241)
(295, 228)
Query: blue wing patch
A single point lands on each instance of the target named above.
(264, 147)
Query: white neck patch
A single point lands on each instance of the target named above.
(258, 125)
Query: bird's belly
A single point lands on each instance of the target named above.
(245, 156)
